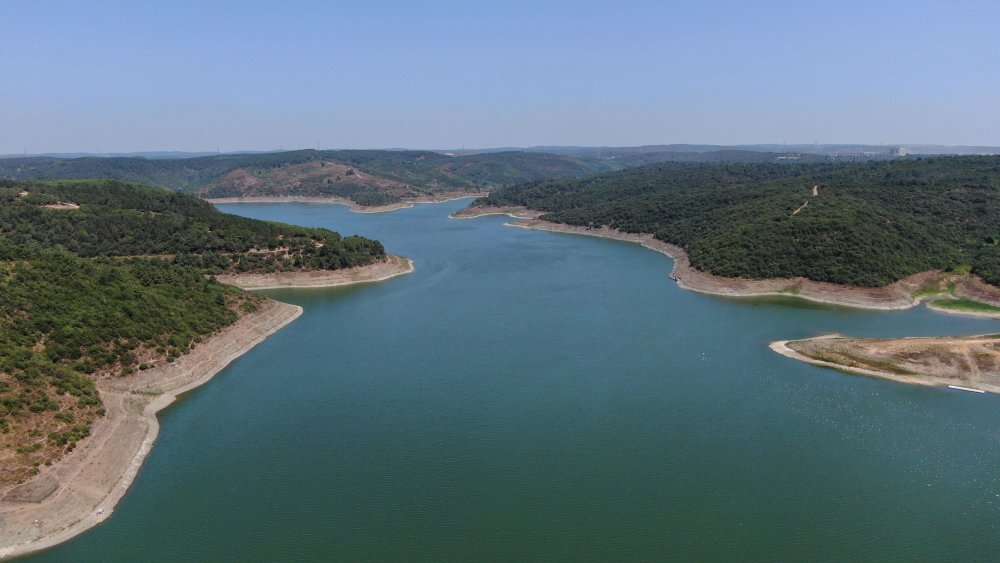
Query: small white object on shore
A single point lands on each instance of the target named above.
(960, 388)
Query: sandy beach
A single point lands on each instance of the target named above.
(81, 490)
(355, 207)
(904, 294)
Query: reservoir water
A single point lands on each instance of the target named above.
(531, 396)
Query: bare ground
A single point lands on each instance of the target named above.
(972, 362)
(515, 212)
(393, 266)
(356, 208)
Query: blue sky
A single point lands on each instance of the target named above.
(124, 76)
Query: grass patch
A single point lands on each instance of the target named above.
(965, 305)
(926, 290)
(846, 359)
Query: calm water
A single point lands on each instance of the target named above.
(526, 395)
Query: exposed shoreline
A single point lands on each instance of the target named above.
(81, 490)
(966, 313)
(974, 380)
(97, 474)
(392, 267)
(903, 294)
(353, 206)
(513, 212)
(781, 347)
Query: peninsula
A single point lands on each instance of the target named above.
(968, 363)
(403, 203)
(884, 235)
(112, 306)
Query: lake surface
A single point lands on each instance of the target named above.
(527, 395)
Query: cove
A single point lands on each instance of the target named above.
(530, 395)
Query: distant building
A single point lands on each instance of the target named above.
(897, 151)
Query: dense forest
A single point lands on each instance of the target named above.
(368, 177)
(103, 278)
(118, 219)
(871, 223)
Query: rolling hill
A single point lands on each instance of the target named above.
(367, 177)
(863, 224)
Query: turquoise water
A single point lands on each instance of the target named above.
(527, 395)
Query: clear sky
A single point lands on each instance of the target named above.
(143, 75)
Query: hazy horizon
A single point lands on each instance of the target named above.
(115, 77)
(763, 147)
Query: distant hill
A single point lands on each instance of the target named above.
(814, 149)
(868, 223)
(368, 177)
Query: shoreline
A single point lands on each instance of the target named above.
(82, 489)
(392, 267)
(90, 481)
(900, 295)
(781, 347)
(354, 207)
(927, 380)
(980, 314)
(522, 213)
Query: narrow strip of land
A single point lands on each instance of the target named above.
(355, 207)
(967, 363)
(393, 266)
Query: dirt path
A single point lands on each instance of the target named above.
(815, 192)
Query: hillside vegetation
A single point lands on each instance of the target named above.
(118, 219)
(367, 177)
(871, 223)
(101, 279)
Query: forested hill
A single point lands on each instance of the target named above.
(871, 223)
(368, 177)
(101, 279)
(118, 219)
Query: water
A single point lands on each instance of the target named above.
(527, 395)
